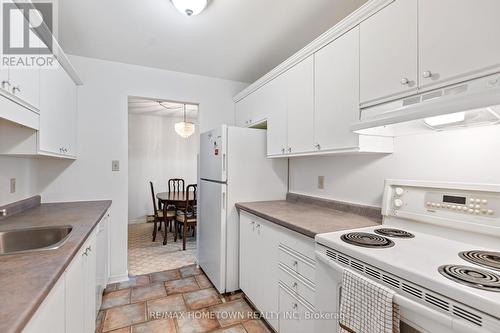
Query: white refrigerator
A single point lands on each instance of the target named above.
(233, 168)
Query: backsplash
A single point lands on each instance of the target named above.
(466, 155)
(24, 170)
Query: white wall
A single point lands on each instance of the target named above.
(468, 155)
(24, 170)
(156, 153)
(103, 134)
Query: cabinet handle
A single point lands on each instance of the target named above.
(295, 285)
(90, 248)
(258, 228)
(289, 149)
(405, 81)
(294, 306)
(318, 146)
(5, 83)
(282, 150)
(85, 253)
(3, 212)
(18, 88)
(295, 263)
(253, 225)
(427, 74)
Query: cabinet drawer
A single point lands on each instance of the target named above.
(296, 284)
(297, 263)
(294, 314)
(299, 243)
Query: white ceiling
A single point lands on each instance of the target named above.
(150, 107)
(233, 39)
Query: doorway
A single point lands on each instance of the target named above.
(157, 153)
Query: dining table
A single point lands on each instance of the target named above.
(173, 198)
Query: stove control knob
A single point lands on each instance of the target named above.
(484, 202)
(490, 212)
(399, 191)
(471, 211)
(398, 203)
(472, 200)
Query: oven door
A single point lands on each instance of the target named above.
(415, 317)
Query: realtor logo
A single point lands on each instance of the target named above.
(27, 34)
(25, 25)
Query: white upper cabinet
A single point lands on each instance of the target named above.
(388, 52)
(57, 113)
(300, 106)
(277, 117)
(458, 39)
(336, 93)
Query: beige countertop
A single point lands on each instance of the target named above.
(27, 278)
(306, 218)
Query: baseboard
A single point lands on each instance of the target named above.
(137, 221)
(118, 278)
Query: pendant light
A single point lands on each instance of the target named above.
(184, 128)
(190, 7)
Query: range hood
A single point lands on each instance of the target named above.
(472, 103)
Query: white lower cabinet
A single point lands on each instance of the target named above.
(277, 270)
(258, 258)
(71, 305)
(80, 289)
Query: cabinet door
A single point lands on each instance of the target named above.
(75, 294)
(266, 263)
(300, 105)
(57, 112)
(336, 93)
(247, 226)
(388, 52)
(457, 38)
(277, 117)
(90, 273)
(50, 315)
(241, 113)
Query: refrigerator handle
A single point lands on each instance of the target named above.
(223, 200)
(223, 162)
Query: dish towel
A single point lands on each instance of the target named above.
(366, 306)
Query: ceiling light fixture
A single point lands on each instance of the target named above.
(184, 128)
(190, 7)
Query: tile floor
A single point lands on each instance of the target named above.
(145, 256)
(175, 301)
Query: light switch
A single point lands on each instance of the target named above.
(13, 185)
(115, 166)
(321, 182)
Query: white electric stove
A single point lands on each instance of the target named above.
(439, 250)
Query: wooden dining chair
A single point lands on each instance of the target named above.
(176, 185)
(186, 216)
(159, 216)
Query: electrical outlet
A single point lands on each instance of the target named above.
(13, 185)
(115, 166)
(321, 182)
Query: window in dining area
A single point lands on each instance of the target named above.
(163, 145)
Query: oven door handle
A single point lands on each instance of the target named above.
(458, 326)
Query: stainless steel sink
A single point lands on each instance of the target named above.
(33, 239)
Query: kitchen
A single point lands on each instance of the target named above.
(388, 94)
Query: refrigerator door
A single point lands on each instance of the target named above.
(213, 148)
(212, 232)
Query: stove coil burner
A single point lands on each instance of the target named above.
(367, 240)
(472, 277)
(482, 258)
(398, 233)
